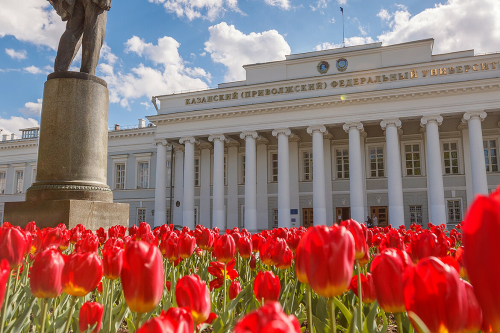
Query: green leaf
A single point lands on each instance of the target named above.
(320, 325)
(384, 318)
(369, 325)
(130, 325)
(21, 321)
(352, 325)
(347, 314)
(420, 325)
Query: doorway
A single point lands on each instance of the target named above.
(307, 217)
(343, 213)
(381, 213)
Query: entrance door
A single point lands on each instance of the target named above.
(381, 213)
(307, 217)
(343, 213)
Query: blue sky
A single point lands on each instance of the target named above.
(156, 47)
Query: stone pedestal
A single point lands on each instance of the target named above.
(70, 184)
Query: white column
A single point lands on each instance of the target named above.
(232, 184)
(205, 184)
(250, 180)
(219, 215)
(394, 177)
(293, 150)
(283, 177)
(178, 185)
(262, 199)
(319, 202)
(355, 171)
(434, 170)
(188, 204)
(478, 166)
(467, 163)
(161, 183)
(327, 153)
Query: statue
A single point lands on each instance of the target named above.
(86, 26)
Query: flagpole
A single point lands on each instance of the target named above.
(343, 36)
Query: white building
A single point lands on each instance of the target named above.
(392, 131)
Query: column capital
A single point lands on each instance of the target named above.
(293, 138)
(432, 118)
(219, 137)
(162, 142)
(386, 122)
(348, 126)
(187, 139)
(178, 148)
(473, 114)
(279, 131)
(314, 128)
(327, 135)
(244, 135)
(230, 142)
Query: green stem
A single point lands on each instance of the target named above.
(17, 278)
(138, 321)
(6, 301)
(333, 321)
(172, 287)
(70, 315)
(44, 314)
(110, 284)
(309, 308)
(224, 296)
(360, 293)
(399, 322)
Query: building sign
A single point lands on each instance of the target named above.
(323, 67)
(342, 64)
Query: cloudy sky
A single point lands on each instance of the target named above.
(156, 47)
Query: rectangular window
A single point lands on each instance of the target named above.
(450, 155)
(490, 155)
(274, 167)
(196, 172)
(19, 181)
(275, 218)
(120, 176)
(307, 171)
(143, 175)
(412, 156)
(196, 215)
(342, 161)
(454, 211)
(141, 215)
(416, 214)
(2, 182)
(377, 161)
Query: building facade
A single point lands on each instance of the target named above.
(393, 132)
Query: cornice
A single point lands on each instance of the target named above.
(132, 132)
(19, 144)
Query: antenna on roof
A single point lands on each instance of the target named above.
(343, 38)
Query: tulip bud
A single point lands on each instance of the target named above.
(286, 259)
(186, 245)
(46, 273)
(13, 246)
(266, 286)
(245, 247)
(367, 287)
(90, 315)
(81, 273)
(206, 239)
(359, 236)
(234, 289)
(193, 293)
(268, 318)
(225, 248)
(112, 260)
(180, 318)
(474, 313)
(253, 263)
(99, 287)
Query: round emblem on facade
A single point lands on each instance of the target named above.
(323, 67)
(342, 64)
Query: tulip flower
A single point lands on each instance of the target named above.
(434, 292)
(234, 289)
(90, 315)
(90, 243)
(180, 318)
(186, 245)
(112, 260)
(169, 246)
(99, 287)
(474, 313)
(252, 263)
(245, 247)
(272, 251)
(286, 259)
(142, 276)
(13, 246)
(269, 318)
(4, 277)
(266, 286)
(481, 232)
(156, 325)
(193, 293)
(367, 287)
(359, 236)
(257, 241)
(46, 273)
(225, 248)
(206, 239)
(217, 269)
(81, 273)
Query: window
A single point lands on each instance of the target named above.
(143, 175)
(168, 216)
(2, 182)
(490, 155)
(30, 134)
(141, 215)
(416, 214)
(120, 176)
(454, 211)
(196, 215)
(197, 171)
(275, 218)
(450, 155)
(342, 162)
(19, 181)
(274, 167)
(307, 171)
(412, 156)
(377, 161)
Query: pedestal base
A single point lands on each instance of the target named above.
(49, 213)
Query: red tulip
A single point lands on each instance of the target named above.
(252, 263)
(52, 238)
(217, 269)
(387, 270)
(257, 240)
(433, 291)
(4, 277)
(112, 260)
(168, 285)
(169, 246)
(142, 276)
(286, 259)
(81, 273)
(225, 248)
(186, 245)
(193, 293)
(234, 289)
(266, 286)
(272, 251)
(269, 318)
(245, 247)
(99, 287)
(180, 318)
(90, 243)
(46, 273)
(90, 315)
(367, 287)
(13, 246)
(481, 232)
(474, 313)
(206, 239)
(359, 236)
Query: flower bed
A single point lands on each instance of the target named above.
(324, 279)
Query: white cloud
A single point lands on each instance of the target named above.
(31, 21)
(192, 9)
(283, 4)
(320, 4)
(19, 55)
(234, 49)
(146, 104)
(32, 109)
(332, 20)
(384, 14)
(351, 41)
(14, 124)
(33, 70)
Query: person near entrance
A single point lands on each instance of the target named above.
(369, 222)
(375, 220)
